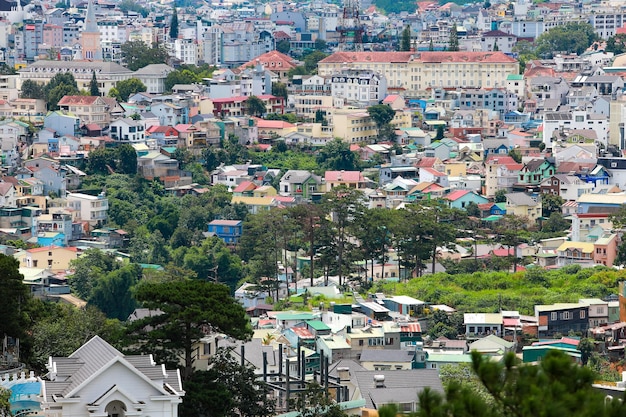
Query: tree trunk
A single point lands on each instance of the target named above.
(434, 259)
(188, 353)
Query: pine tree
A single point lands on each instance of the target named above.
(174, 25)
(495, 46)
(405, 42)
(431, 46)
(453, 45)
(94, 90)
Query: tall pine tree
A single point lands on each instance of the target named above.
(174, 25)
(453, 45)
(94, 90)
(405, 42)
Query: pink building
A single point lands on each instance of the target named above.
(53, 35)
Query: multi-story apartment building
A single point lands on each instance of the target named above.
(90, 109)
(607, 22)
(361, 88)
(186, 50)
(92, 209)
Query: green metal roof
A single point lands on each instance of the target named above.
(295, 316)
(492, 218)
(318, 325)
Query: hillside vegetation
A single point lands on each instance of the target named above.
(487, 292)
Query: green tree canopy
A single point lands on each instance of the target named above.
(127, 159)
(31, 89)
(573, 37)
(311, 60)
(453, 44)
(112, 295)
(337, 156)
(16, 295)
(616, 44)
(174, 24)
(184, 76)
(126, 88)
(94, 90)
(131, 6)
(65, 328)
(405, 40)
(255, 106)
(555, 386)
(226, 389)
(382, 114)
(137, 54)
(62, 84)
(189, 308)
(280, 90)
(283, 46)
(390, 6)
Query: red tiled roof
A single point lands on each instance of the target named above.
(434, 172)
(427, 162)
(456, 194)
(411, 328)
(272, 60)
(390, 98)
(462, 56)
(92, 127)
(279, 35)
(341, 57)
(503, 252)
(347, 176)
(502, 160)
(272, 124)
(78, 100)
(244, 186)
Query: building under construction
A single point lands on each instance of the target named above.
(350, 27)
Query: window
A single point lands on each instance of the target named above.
(553, 316)
(582, 314)
(566, 315)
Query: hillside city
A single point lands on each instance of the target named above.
(372, 208)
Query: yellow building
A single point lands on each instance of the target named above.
(54, 258)
(353, 125)
(307, 105)
(523, 205)
(455, 168)
(415, 73)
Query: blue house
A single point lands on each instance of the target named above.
(460, 199)
(51, 239)
(228, 230)
(598, 175)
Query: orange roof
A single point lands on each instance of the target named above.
(78, 100)
(462, 56)
(272, 124)
(272, 60)
(341, 57)
(456, 194)
(245, 186)
(346, 176)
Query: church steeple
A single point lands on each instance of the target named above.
(90, 37)
(91, 24)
